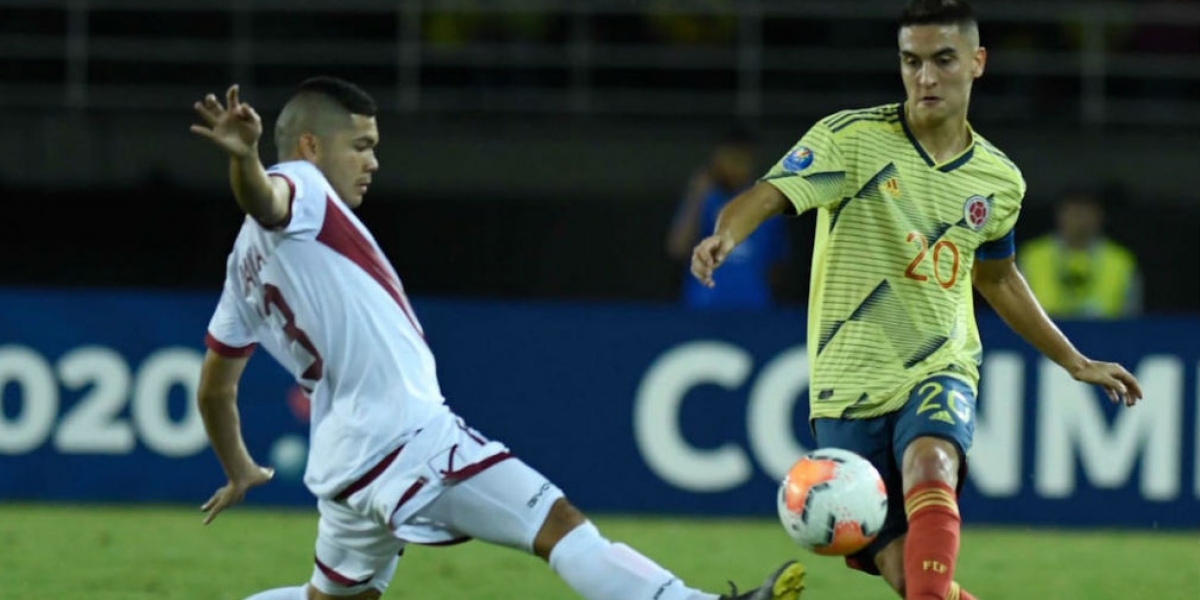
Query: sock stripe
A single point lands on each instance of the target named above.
(955, 591)
(937, 491)
(911, 509)
(927, 494)
(930, 498)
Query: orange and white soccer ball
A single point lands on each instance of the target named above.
(832, 502)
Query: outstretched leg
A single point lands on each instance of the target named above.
(602, 570)
(511, 504)
(306, 592)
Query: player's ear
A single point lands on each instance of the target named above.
(308, 147)
(980, 62)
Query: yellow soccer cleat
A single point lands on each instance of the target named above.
(786, 583)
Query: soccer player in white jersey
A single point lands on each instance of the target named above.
(389, 462)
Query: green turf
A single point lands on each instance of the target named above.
(136, 553)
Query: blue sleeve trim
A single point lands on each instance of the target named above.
(998, 249)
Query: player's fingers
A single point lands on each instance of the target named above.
(225, 498)
(699, 264)
(204, 132)
(705, 276)
(212, 514)
(1131, 383)
(719, 255)
(1113, 380)
(1132, 391)
(701, 270)
(213, 108)
(1112, 395)
(211, 501)
(211, 103)
(231, 97)
(1127, 397)
(205, 113)
(247, 114)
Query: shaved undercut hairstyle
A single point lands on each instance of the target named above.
(941, 12)
(321, 106)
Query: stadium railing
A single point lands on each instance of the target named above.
(1089, 63)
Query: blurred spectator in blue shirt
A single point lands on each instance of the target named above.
(747, 278)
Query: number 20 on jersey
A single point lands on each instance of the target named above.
(939, 263)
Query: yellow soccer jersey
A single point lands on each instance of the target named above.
(891, 301)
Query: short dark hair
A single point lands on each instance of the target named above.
(320, 105)
(938, 12)
(349, 96)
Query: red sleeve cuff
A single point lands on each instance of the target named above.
(291, 200)
(226, 350)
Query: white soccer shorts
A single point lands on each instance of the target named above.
(447, 485)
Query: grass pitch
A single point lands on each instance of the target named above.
(163, 553)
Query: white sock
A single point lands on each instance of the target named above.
(292, 593)
(598, 569)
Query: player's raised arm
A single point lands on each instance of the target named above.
(236, 128)
(1000, 282)
(217, 400)
(737, 221)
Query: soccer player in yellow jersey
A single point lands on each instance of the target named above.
(914, 208)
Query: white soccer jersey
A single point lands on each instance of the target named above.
(318, 295)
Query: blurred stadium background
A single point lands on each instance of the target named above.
(534, 153)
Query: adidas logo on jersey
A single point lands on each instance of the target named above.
(892, 188)
(943, 416)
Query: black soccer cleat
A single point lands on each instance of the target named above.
(786, 583)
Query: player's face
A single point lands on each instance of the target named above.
(348, 159)
(939, 63)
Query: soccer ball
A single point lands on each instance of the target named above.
(832, 502)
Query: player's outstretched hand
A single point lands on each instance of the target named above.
(234, 127)
(709, 254)
(1118, 384)
(233, 492)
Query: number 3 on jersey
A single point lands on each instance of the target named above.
(273, 298)
(943, 251)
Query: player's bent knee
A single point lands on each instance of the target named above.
(371, 594)
(563, 517)
(930, 459)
